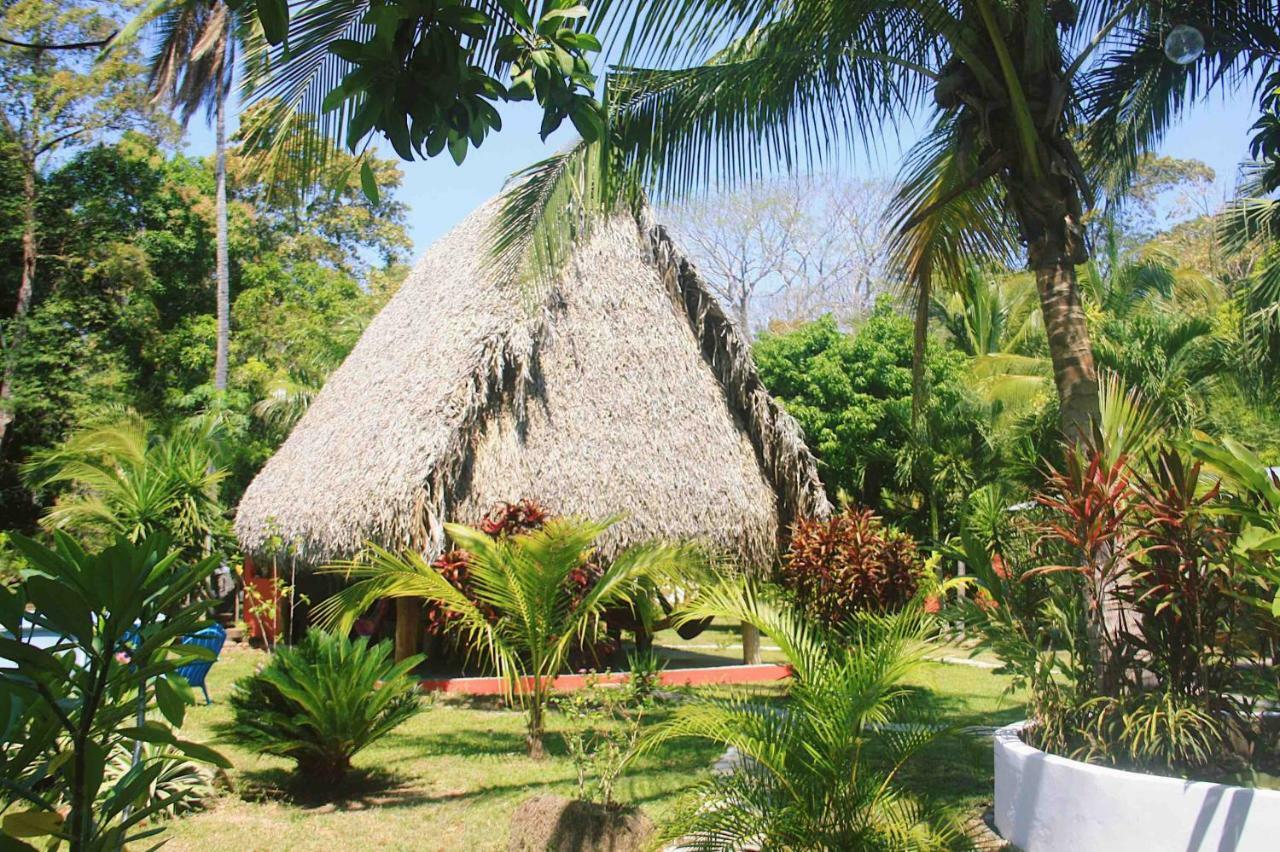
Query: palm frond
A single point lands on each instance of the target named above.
(551, 207)
(799, 638)
(821, 770)
(194, 58)
(946, 217)
(761, 104)
(1134, 94)
(1128, 424)
(292, 135)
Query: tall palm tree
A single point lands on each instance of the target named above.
(1014, 87)
(525, 617)
(191, 70)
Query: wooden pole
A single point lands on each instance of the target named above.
(408, 627)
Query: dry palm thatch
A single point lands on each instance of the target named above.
(623, 389)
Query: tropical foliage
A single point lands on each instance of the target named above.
(428, 80)
(1132, 620)
(848, 564)
(121, 478)
(820, 771)
(1033, 108)
(69, 709)
(321, 701)
(122, 315)
(852, 394)
(528, 581)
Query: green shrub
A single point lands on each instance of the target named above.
(529, 581)
(821, 772)
(71, 711)
(325, 699)
(1140, 624)
(848, 564)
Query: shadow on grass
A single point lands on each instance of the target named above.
(956, 768)
(466, 743)
(360, 790)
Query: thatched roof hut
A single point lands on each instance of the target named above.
(625, 391)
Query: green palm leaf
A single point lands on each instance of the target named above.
(525, 580)
(820, 770)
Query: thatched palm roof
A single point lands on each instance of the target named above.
(627, 391)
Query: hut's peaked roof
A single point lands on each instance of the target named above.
(625, 391)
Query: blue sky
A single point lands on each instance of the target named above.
(439, 194)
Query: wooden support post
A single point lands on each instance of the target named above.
(751, 645)
(408, 627)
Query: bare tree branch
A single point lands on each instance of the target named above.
(790, 250)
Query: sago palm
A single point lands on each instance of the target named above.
(820, 770)
(322, 701)
(1037, 111)
(524, 616)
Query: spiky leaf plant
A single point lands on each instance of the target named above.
(820, 771)
(322, 701)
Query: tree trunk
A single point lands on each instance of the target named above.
(1069, 346)
(222, 272)
(408, 627)
(26, 286)
(751, 645)
(744, 315)
(533, 736)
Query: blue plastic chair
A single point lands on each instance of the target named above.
(212, 637)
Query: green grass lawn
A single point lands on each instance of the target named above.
(451, 776)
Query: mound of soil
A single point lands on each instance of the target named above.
(557, 824)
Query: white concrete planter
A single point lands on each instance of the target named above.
(1047, 803)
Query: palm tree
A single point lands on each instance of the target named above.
(192, 70)
(820, 771)
(524, 616)
(1012, 86)
(1251, 224)
(123, 477)
(996, 321)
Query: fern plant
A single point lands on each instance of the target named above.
(820, 771)
(322, 701)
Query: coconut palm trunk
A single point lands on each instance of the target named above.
(222, 271)
(192, 71)
(1049, 218)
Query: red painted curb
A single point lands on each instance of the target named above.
(670, 677)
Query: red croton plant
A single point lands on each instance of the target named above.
(1139, 641)
(850, 563)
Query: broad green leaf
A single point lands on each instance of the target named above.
(150, 732)
(369, 183)
(171, 703)
(32, 823)
(203, 753)
(274, 17)
(519, 13)
(458, 148)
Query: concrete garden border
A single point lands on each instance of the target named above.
(1047, 803)
(762, 673)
